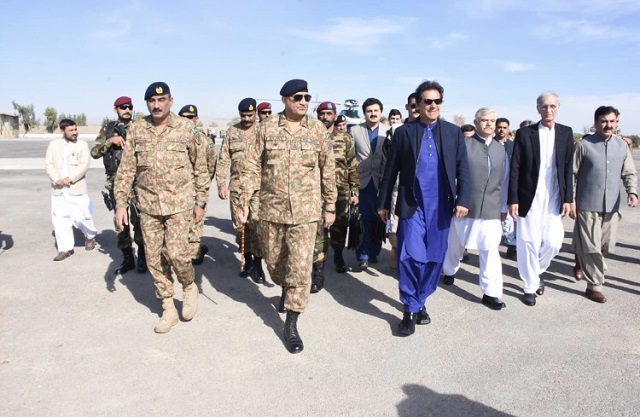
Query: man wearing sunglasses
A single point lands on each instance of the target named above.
(348, 185)
(109, 146)
(264, 110)
(291, 165)
(230, 163)
(166, 155)
(412, 114)
(430, 158)
(190, 111)
(369, 142)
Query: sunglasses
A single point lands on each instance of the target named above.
(190, 116)
(429, 102)
(413, 105)
(126, 107)
(265, 112)
(299, 97)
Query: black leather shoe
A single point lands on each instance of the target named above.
(423, 316)
(281, 307)
(465, 256)
(448, 280)
(512, 252)
(529, 299)
(540, 289)
(317, 277)
(364, 264)
(373, 260)
(408, 324)
(494, 303)
(291, 336)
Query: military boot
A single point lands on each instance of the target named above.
(338, 260)
(248, 263)
(257, 273)
(169, 316)
(202, 250)
(128, 263)
(142, 260)
(190, 301)
(281, 307)
(317, 277)
(291, 336)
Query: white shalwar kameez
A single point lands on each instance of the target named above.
(540, 232)
(71, 210)
(483, 235)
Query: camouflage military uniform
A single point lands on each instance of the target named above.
(295, 173)
(230, 162)
(99, 150)
(348, 184)
(171, 174)
(196, 229)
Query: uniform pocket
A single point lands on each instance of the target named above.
(144, 152)
(176, 153)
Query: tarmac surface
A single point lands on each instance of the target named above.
(76, 340)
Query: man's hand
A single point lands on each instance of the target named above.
(460, 211)
(566, 210)
(223, 193)
(122, 218)
(328, 219)
(354, 200)
(632, 200)
(513, 210)
(198, 213)
(116, 141)
(64, 181)
(241, 215)
(574, 211)
(384, 215)
(503, 217)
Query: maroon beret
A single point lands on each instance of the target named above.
(264, 105)
(326, 105)
(122, 100)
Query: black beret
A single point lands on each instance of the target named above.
(340, 119)
(247, 104)
(156, 89)
(189, 108)
(294, 86)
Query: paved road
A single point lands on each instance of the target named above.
(77, 341)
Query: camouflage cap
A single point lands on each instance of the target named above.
(294, 86)
(247, 104)
(189, 108)
(156, 89)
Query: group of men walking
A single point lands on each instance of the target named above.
(292, 180)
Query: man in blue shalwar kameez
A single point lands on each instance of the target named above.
(430, 156)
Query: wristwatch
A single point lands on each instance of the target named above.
(202, 205)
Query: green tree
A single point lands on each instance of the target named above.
(51, 116)
(27, 116)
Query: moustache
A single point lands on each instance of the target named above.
(156, 110)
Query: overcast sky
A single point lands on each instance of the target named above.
(78, 56)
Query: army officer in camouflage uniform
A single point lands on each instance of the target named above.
(231, 161)
(190, 111)
(166, 155)
(292, 164)
(348, 185)
(109, 146)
